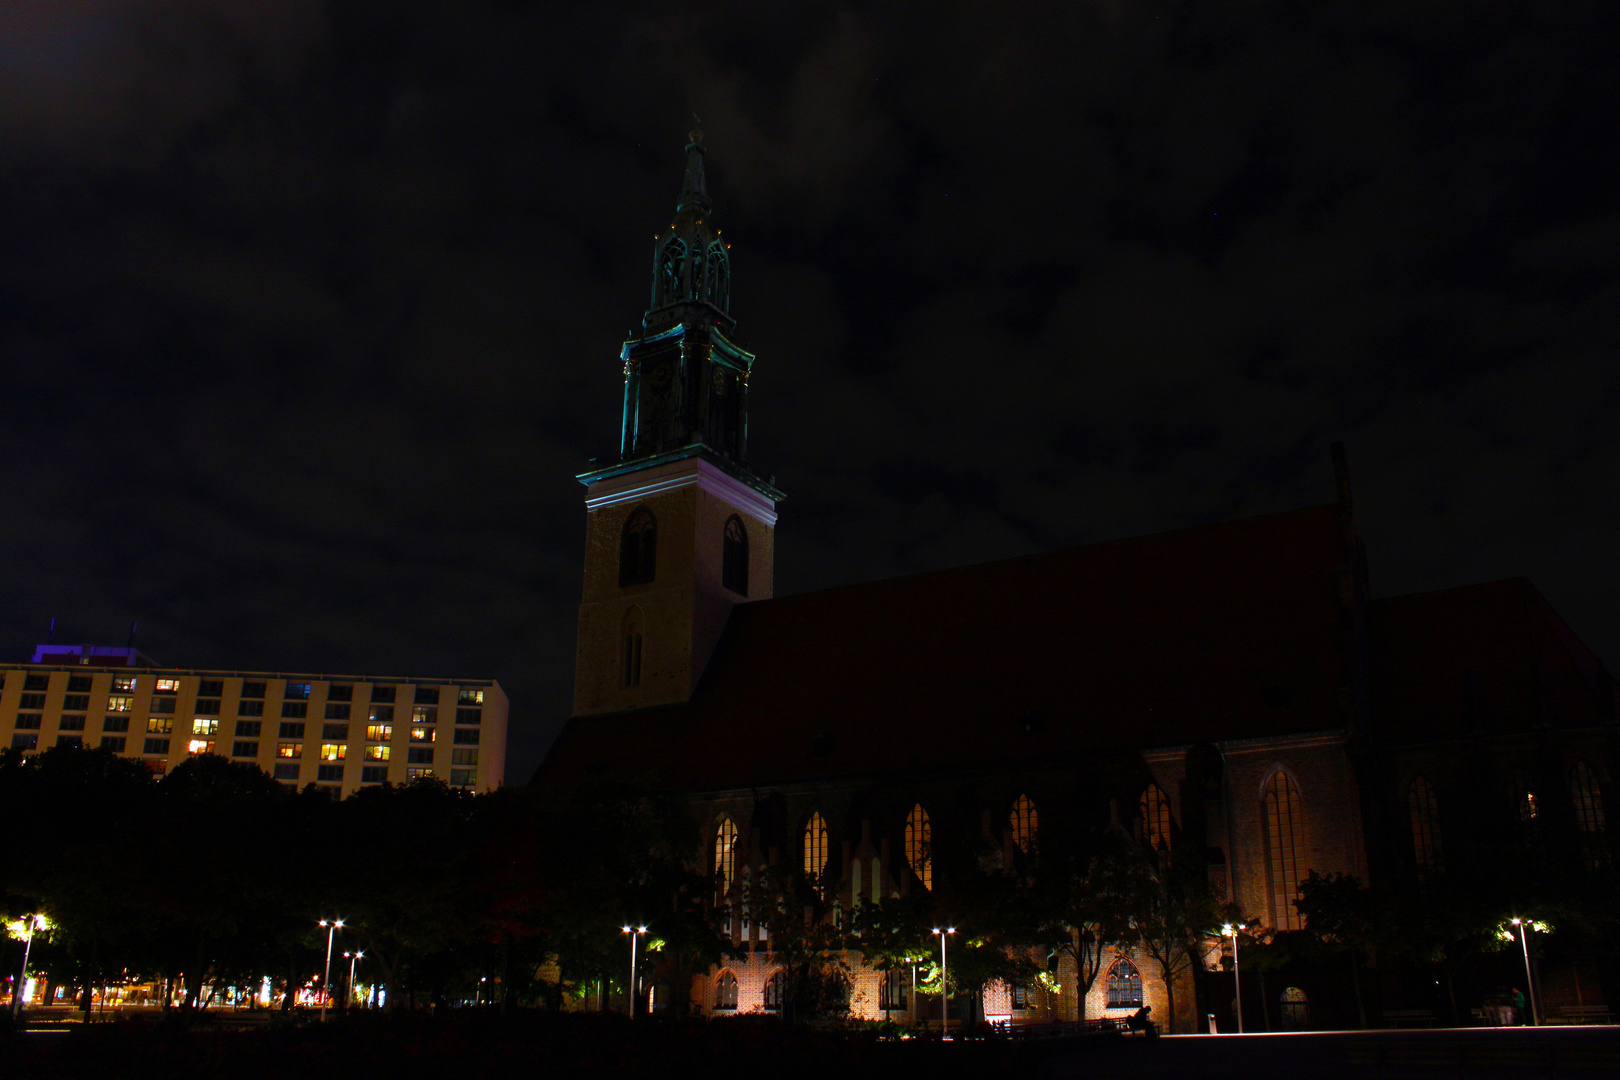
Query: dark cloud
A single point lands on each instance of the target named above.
(310, 312)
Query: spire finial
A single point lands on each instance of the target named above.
(694, 190)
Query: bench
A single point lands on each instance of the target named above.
(1397, 1017)
(1583, 1014)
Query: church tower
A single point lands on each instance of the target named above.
(678, 529)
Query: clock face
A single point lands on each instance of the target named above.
(659, 376)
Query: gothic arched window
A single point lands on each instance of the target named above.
(638, 548)
(1024, 822)
(725, 991)
(719, 277)
(919, 845)
(892, 991)
(774, 986)
(1124, 986)
(815, 847)
(1425, 809)
(669, 271)
(1155, 807)
(1588, 795)
(734, 556)
(1285, 847)
(725, 854)
(632, 647)
(1296, 1007)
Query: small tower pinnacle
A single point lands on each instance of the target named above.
(694, 191)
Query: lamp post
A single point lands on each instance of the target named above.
(634, 932)
(1237, 983)
(1525, 926)
(944, 986)
(353, 957)
(332, 927)
(32, 921)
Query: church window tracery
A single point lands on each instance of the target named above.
(773, 990)
(725, 992)
(1285, 847)
(1425, 811)
(638, 549)
(815, 847)
(1155, 809)
(669, 271)
(1025, 821)
(1124, 986)
(718, 283)
(725, 854)
(1588, 794)
(919, 846)
(734, 556)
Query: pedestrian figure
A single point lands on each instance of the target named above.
(1518, 1006)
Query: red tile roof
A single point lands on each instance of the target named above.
(1225, 631)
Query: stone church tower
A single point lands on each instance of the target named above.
(678, 529)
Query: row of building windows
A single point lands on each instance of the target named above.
(211, 691)
(1123, 985)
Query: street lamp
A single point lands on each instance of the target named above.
(332, 927)
(944, 992)
(1237, 984)
(634, 932)
(33, 922)
(1525, 926)
(353, 958)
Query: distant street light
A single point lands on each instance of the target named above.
(944, 991)
(332, 927)
(634, 932)
(1237, 984)
(33, 922)
(348, 999)
(1525, 926)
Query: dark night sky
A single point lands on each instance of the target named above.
(309, 313)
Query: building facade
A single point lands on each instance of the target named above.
(340, 733)
(1231, 696)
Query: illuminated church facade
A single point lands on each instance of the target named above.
(1231, 692)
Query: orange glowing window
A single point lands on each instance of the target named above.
(725, 853)
(1285, 847)
(919, 845)
(334, 751)
(1155, 808)
(1025, 821)
(815, 847)
(290, 750)
(201, 746)
(378, 753)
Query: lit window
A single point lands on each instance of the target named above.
(378, 753)
(1021, 998)
(334, 751)
(734, 556)
(417, 774)
(1588, 793)
(166, 686)
(424, 714)
(160, 725)
(422, 734)
(815, 847)
(204, 726)
(470, 697)
(297, 691)
(919, 845)
(380, 732)
(638, 549)
(1296, 1008)
(120, 703)
(1285, 845)
(290, 750)
(725, 854)
(1155, 808)
(123, 684)
(1425, 812)
(1024, 822)
(201, 746)
(1124, 986)
(725, 991)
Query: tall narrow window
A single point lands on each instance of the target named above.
(1024, 822)
(670, 265)
(1124, 986)
(725, 992)
(1588, 795)
(632, 647)
(719, 284)
(1155, 807)
(1425, 809)
(734, 557)
(1285, 845)
(1525, 808)
(815, 847)
(919, 845)
(725, 854)
(638, 548)
(773, 991)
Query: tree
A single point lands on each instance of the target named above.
(1340, 916)
(1174, 911)
(807, 938)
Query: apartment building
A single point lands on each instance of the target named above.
(341, 732)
